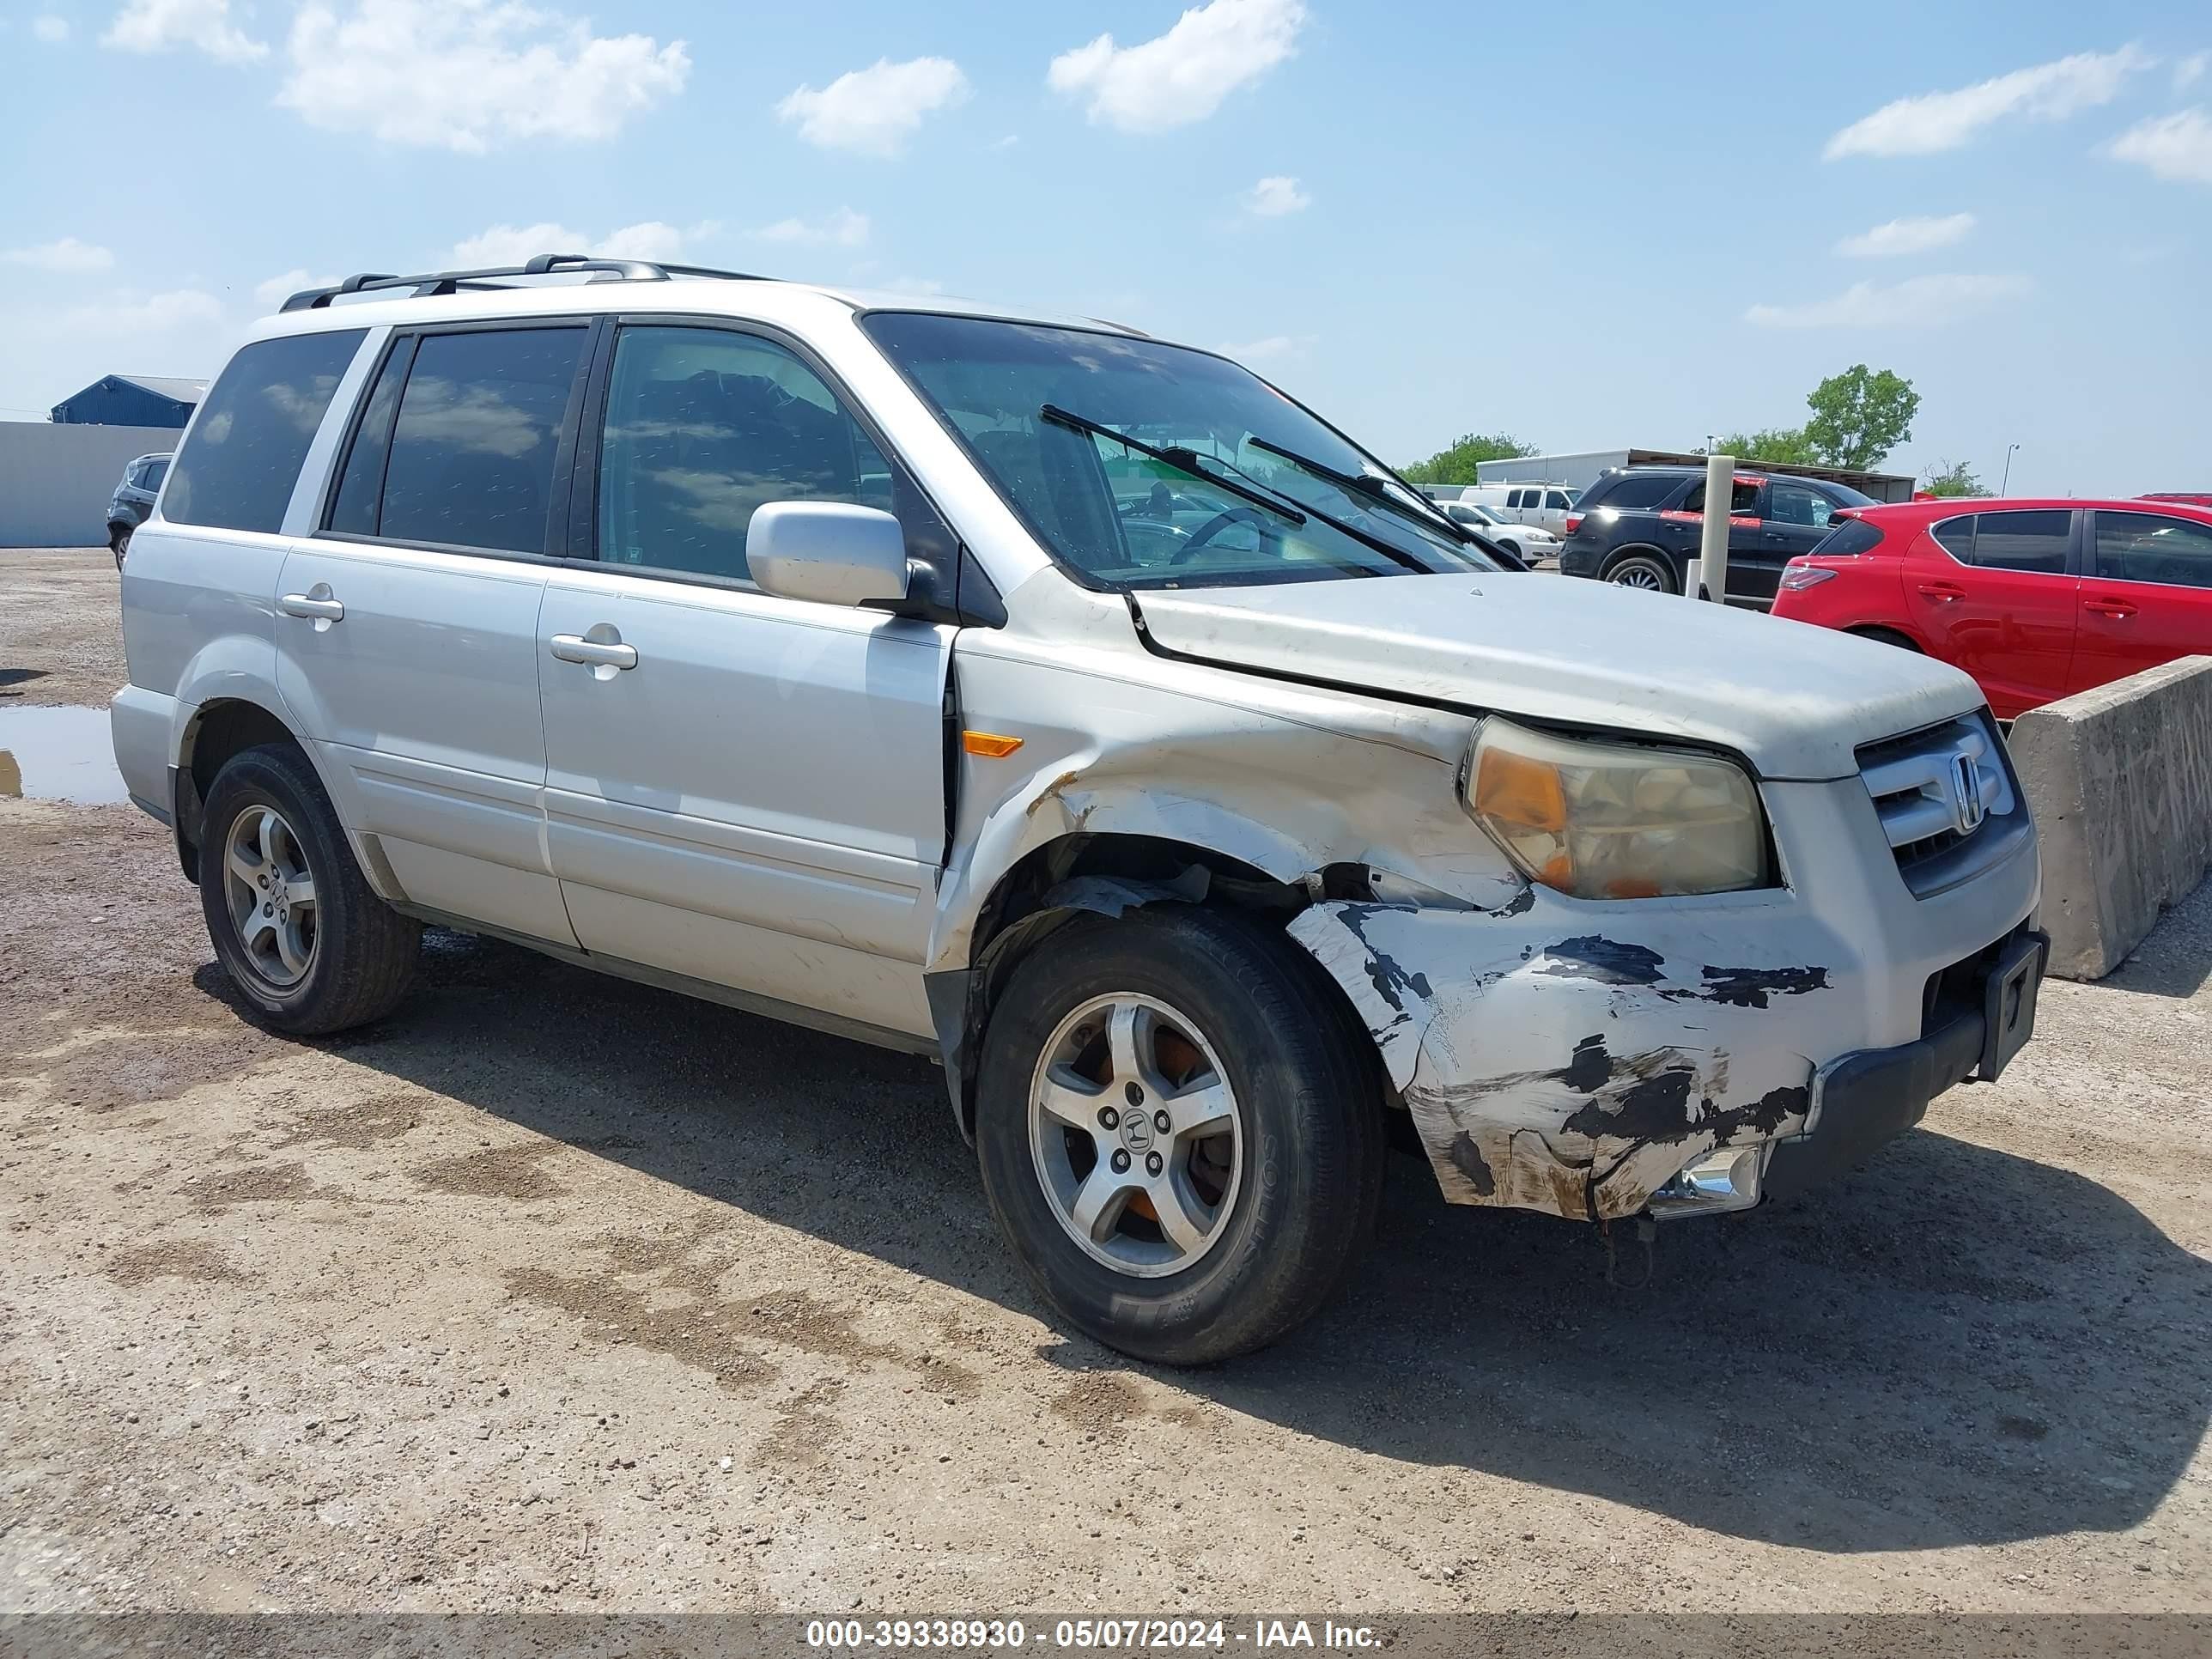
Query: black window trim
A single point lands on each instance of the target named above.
(2088, 518)
(408, 336)
(983, 610)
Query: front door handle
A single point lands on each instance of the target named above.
(318, 604)
(1945, 591)
(2119, 609)
(604, 651)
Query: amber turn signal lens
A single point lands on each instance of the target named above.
(989, 745)
(1521, 791)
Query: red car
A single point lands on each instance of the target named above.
(2034, 599)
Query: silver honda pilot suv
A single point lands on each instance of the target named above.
(1075, 709)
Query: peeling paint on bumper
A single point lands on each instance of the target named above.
(1551, 1067)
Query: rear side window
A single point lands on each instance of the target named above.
(2150, 547)
(155, 471)
(1957, 538)
(470, 462)
(1849, 535)
(1631, 490)
(1743, 499)
(237, 469)
(2034, 542)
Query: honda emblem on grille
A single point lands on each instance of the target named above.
(1966, 794)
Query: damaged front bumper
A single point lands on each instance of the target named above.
(1582, 1075)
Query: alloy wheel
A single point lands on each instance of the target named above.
(1136, 1134)
(270, 893)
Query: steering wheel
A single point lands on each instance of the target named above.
(1214, 525)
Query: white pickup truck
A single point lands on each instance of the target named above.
(1076, 709)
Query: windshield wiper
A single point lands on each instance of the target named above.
(1181, 457)
(1186, 460)
(1374, 487)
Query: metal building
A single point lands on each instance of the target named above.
(132, 400)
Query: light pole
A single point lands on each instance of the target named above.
(2007, 481)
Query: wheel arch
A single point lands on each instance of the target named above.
(217, 730)
(1074, 875)
(1631, 549)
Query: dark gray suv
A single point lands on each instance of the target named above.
(133, 500)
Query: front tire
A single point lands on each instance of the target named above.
(1180, 1132)
(292, 920)
(1646, 573)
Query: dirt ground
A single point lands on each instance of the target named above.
(553, 1292)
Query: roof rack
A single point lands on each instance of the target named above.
(439, 282)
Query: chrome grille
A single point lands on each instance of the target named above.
(1947, 801)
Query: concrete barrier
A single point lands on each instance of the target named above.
(2120, 781)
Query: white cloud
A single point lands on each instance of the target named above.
(67, 256)
(1183, 75)
(277, 289)
(1937, 121)
(511, 245)
(466, 75)
(50, 29)
(1916, 302)
(2190, 69)
(154, 313)
(2177, 147)
(874, 111)
(1275, 196)
(843, 229)
(1915, 234)
(158, 25)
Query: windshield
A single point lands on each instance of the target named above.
(1059, 419)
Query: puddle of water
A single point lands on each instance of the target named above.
(58, 754)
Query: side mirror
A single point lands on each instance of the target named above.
(827, 551)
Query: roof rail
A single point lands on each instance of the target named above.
(440, 282)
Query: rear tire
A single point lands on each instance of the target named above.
(1889, 636)
(119, 542)
(292, 920)
(1645, 573)
(1230, 1029)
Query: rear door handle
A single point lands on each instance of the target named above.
(2119, 610)
(597, 653)
(1944, 591)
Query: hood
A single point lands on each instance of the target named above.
(1796, 700)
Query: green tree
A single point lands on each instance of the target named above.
(1860, 415)
(1953, 479)
(1456, 466)
(1772, 444)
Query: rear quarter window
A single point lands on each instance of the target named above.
(237, 469)
(1631, 490)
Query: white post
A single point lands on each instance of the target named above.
(1712, 550)
(1692, 579)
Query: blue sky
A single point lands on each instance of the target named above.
(1424, 218)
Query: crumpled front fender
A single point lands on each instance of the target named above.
(1575, 1074)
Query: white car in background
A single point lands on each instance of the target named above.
(1526, 541)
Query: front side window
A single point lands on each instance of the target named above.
(1789, 503)
(1556, 501)
(703, 426)
(1142, 465)
(2034, 542)
(2149, 547)
(470, 460)
(237, 468)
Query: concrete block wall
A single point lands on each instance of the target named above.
(55, 480)
(2120, 783)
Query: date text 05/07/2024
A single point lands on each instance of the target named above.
(1091, 1635)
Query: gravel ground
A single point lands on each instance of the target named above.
(553, 1292)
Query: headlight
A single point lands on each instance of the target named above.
(1598, 820)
